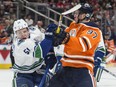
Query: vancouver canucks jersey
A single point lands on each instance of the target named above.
(28, 53)
(28, 56)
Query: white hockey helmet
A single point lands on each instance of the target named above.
(19, 24)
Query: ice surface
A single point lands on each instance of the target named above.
(107, 80)
(6, 77)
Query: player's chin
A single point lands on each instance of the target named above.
(24, 38)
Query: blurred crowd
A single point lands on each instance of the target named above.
(104, 16)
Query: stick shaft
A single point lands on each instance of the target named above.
(44, 78)
(65, 13)
(109, 72)
(59, 24)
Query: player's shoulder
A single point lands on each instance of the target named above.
(70, 26)
(92, 26)
(72, 23)
(34, 29)
(27, 43)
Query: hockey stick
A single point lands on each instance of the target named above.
(109, 72)
(98, 74)
(59, 24)
(65, 13)
(44, 77)
(72, 9)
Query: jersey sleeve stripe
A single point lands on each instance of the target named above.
(93, 79)
(88, 41)
(82, 44)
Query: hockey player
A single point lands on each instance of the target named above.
(35, 34)
(29, 54)
(80, 41)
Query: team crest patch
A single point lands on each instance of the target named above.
(73, 32)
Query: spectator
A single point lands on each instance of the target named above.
(40, 26)
(13, 18)
(109, 40)
(52, 4)
(29, 20)
(60, 4)
(5, 38)
(8, 27)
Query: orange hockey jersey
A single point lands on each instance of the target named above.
(79, 51)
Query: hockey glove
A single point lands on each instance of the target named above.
(50, 59)
(97, 63)
(49, 31)
(99, 55)
(61, 38)
(97, 69)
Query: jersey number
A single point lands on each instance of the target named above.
(27, 50)
(94, 34)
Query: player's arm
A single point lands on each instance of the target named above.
(61, 38)
(100, 51)
(47, 43)
(89, 38)
(47, 46)
(98, 58)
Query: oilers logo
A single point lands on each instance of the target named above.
(73, 32)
